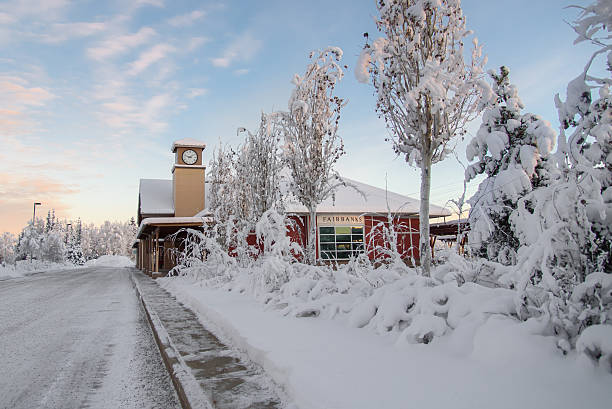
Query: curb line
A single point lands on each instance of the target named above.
(187, 387)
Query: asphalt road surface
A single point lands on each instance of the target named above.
(78, 339)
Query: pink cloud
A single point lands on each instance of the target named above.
(186, 19)
(241, 49)
(120, 44)
(149, 57)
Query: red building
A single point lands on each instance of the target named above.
(360, 218)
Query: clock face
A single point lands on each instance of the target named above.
(190, 156)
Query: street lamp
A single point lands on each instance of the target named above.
(34, 213)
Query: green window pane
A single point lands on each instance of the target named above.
(358, 246)
(326, 230)
(357, 239)
(343, 238)
(357, 230)
(327, 238)
(328, 246)
(343, 255)
(345, 246)
(343, 230)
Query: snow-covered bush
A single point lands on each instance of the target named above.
(425, 90)
(511, 148)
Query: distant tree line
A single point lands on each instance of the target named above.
(60, 240)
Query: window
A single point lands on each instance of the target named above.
(340, 242)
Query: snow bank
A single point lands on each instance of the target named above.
(25, 267)
(110, 261)
(595, 343)
(325, 363)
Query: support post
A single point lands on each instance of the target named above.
(157, 250)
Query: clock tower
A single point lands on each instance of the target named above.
(188, 177)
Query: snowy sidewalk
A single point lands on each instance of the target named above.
(325, 364)
(225, 379)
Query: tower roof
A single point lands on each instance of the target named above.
(187, 143)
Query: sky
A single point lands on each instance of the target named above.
(92, 94)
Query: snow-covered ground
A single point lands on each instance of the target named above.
(493, 362)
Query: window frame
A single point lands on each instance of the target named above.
(353, 252)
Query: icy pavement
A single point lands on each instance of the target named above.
(226, 377)
(78, 339)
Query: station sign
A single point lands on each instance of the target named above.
(339, 220)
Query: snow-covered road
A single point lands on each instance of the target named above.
(78, 338)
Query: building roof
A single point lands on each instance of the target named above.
(155, 196)
(187, 143)
(358, 197)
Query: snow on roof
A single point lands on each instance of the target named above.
(157, 221)
(156, 196)
(349, 200)
(188, 143)
(158, 193)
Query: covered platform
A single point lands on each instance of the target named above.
(156, 242)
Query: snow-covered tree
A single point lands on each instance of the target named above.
(564, 262)
(310, 131)
(425, 90)
(264, 165)
(7, 248)
(221, 177)
(52, 246)
(29, 242)
(511, 148)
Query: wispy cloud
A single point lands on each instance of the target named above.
(59, 32)
(241, 71)
(125, 112)
(242, 48)
(150, 56)
(15, 91)
(188, 19)
(120, 44)
(47, 9)
(196, 42)
(156, 3)
(196, 92)
(6, 18)
(18, 101)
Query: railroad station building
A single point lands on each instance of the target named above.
(353, 222)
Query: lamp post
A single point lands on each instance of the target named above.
(34, 213)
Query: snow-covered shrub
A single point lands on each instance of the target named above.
(202, 255)
(382, 244)
(511, 148)
(275, 265)
(418, 309)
